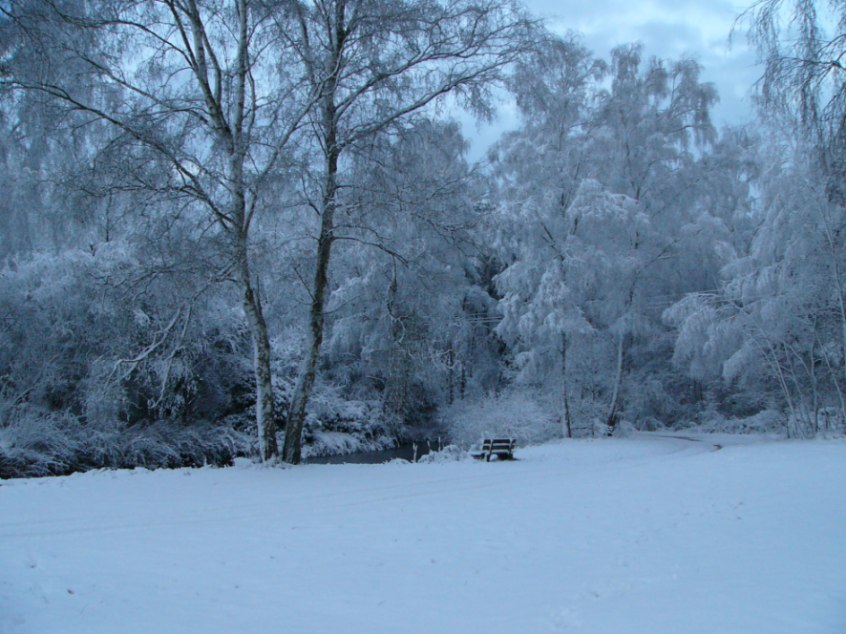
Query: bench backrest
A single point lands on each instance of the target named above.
(498, 444)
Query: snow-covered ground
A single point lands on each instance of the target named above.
(646, 534)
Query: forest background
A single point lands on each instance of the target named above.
(250, 227)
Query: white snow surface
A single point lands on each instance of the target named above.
(643, 534)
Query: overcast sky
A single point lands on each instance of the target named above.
(668, 29)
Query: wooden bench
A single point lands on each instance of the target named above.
(502, 448)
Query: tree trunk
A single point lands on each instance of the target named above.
(395, 398)
(462, 381)
(265, 403)
(566, 419)
(614, 410)
(450, 375)
(841, 305)
(292, 451)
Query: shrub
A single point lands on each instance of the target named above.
(512, 414)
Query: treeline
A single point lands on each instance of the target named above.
(240, 228)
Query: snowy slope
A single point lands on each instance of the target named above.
(647, 534)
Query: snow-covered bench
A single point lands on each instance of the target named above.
(502, 448)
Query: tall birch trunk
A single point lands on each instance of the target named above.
(292, 451)
(265, 402)
(233, 137)
(614, 409)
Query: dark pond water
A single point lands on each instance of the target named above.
(405, 452)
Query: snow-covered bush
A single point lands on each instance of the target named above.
(99, 370)
(450, 453)
(513, 414)
(337, 425)
(39, 443)
(624, 429)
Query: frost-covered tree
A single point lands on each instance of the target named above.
(582, 284)
(204, 90)
(600, 224)
(373, 65)
(107, 363)
(775, 323)
(405, 304)
(802, 45)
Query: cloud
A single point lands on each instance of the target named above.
(667, 29)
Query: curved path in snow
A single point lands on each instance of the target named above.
(716, 446)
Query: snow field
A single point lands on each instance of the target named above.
(645, 534)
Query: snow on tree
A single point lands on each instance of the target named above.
(199, 87)
(777, 317)
(373, 65)
(600, 228)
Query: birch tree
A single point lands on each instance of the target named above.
(802, 45)
(374, 66)
(201, 85)
(774, 324)
(778, 320)
(594, 230)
